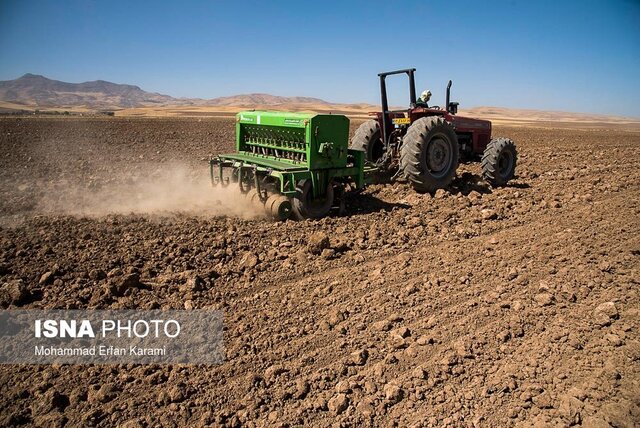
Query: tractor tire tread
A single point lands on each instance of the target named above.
(411, 155)
(364, 134)
(489, 162)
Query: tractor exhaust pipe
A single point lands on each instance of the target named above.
(448, 97)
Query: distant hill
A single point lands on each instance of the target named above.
(35, 91)
(32, 90)
(261, 99)
(529, 116)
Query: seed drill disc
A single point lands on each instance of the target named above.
(269, 203)
(253, 198)
(250, 194)
(281, 208)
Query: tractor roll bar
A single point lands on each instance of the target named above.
(386, 123)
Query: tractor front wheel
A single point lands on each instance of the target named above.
(499, 161)
(429, 154)
(305, 206)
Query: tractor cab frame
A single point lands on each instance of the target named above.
(473, 134)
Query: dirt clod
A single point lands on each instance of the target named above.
(97, 274)
(104, 394)
(249, 260)
(338, 404)
(15, 291)
(318, 241)
(46, 278)
(359, 357)
(393, 393)
(488, 214)
(419, 373)
(544, 299)
(131, 280)
(605, 313)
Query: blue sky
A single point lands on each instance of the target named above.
(555, 55)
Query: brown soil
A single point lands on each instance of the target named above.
(476, 307)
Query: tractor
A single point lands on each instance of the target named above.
(425, 144)
(302, 164)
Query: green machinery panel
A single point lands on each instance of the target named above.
(305, 140)
(290, 147)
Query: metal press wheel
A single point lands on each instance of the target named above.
(305, 206)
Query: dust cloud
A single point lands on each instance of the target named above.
(147, 189)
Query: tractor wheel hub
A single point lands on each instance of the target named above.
(437, 155)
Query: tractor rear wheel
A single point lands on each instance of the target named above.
(499, 161)
(368, 138)
(429, 154)
(305, 206)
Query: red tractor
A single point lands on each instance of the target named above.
(426, 143)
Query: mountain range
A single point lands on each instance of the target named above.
(36, 91)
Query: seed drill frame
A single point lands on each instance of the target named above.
(291, 162)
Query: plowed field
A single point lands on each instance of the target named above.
(475, 306)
